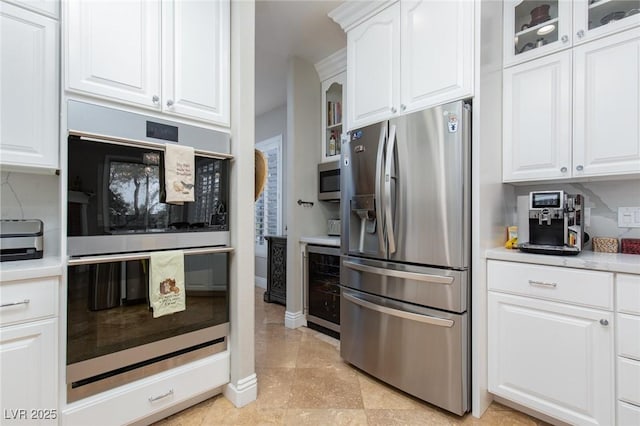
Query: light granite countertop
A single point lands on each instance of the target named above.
(31, 269)
(322, 240)
(610, 262)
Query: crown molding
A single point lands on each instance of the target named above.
(332, 64)
(352, 12)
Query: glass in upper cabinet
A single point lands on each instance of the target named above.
(597, 18)
(332, 113)
(534, 28)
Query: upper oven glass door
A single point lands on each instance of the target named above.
(119, 189)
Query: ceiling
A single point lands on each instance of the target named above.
(288, 28)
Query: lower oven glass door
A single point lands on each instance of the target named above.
(110, 325)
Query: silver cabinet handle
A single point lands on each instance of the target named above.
(580, 33)
(394, 110)
(565, 38)
(441, 322)
(563, 170)
(579, 167)
(542, 284)
(403, 107)
(440, 279)
(604, 322)
(159, 397)
(155, 99)
(170, 103)
(22, 302)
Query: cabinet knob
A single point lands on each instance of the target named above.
(565, 38)
(579, 167)
(563, 170)
(155, 99)
(169, 103)
(403, 107)
(580, 33)
(394, 110)
(604, 322)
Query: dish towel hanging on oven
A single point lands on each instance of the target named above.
(179, 166)
(166, 282)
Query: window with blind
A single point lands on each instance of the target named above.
(269, 204)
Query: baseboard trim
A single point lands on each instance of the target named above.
(261, 282)
(294, 319)
(242, 393)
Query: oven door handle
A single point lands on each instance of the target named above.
(440, 279)
(88, 260)
(440, 322)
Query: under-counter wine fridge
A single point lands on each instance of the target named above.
(323, 289)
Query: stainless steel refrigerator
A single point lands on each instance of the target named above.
(405, 244)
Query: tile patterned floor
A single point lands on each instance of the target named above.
(303, 381)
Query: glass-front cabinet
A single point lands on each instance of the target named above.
(332, 116)
(534, 28)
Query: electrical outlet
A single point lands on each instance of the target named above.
(628, 217)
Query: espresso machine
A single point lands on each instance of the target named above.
(556, 223)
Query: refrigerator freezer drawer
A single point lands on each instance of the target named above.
(434, 287)
(421, 351)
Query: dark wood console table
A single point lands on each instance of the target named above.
(276, 270)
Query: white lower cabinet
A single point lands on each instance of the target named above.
(29, 368)
(554, 357)
(628, 348)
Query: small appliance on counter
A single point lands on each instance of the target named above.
(21, 239)
(556, 224)
(333, 227)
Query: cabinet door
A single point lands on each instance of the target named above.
(554, 358)
(597, 18)
(50, 8)
(195, 58)
(435, 32)
(28, 361)
(29, 88)
(114, 50)
(537, 119)
(534, 28)
(373, 73)
(606, 134)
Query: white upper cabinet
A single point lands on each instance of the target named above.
(534, 28)
(170, 56)
(373, 68)
(29, 89)
(606, 126)
(50, 8)
(409, 56)
(195, 59)
(436, 53)
(537, 119)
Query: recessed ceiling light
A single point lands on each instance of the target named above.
(546, 29)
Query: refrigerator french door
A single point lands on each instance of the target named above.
(406, 249)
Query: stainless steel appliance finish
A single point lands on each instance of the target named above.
(322, 290)
(333, 227)
(21, 239)
(329, 181)
(406, 253)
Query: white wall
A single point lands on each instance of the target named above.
(31, 196)
(268, 125)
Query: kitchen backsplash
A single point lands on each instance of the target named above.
(31, 196)
(603, 198)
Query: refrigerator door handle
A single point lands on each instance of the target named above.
(378, 198)
(440, 322)
(439, 279)
(388, 220)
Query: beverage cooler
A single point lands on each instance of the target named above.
(323, 289)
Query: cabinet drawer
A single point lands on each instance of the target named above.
(628, 293)
(629, 380)
(628, 327)
(628, 414)
(577, 286)
(132, 403)
(27, 300)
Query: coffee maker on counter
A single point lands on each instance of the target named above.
(556, 223)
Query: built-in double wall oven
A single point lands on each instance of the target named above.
(117, 219)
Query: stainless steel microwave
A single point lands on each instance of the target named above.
(329, 181)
